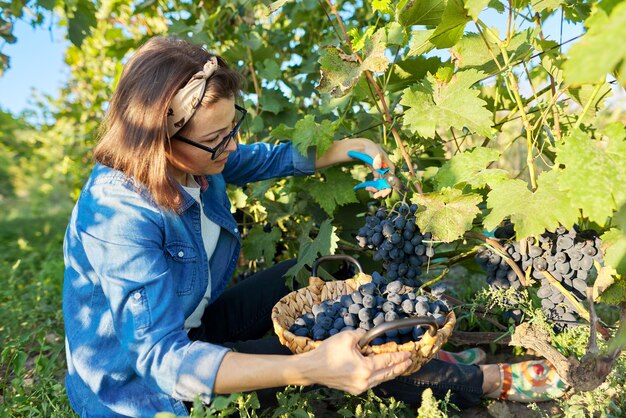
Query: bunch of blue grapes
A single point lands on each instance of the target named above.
(370, 305)
(567, 255)
(398, 242)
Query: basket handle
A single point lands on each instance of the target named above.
(399, 323)
(343, 257)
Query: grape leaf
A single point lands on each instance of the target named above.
(614, 242)
(81, 19)
(395, 34)
(531, 213)
(324, 244)
(615, 293)
(307, 133)
(340, 71)
(541, 5)
(260, 244)
(469, 167)
(282, 131)
(582, 95)
(448, 214)
(272, 101)
(374, 58)
(237, 197)
(497, 5)
(420, 43)
(270, 70)
(435, 105)
(452, 25)
(604, 280)
(600, 50)
(410, 71)
(420, 12)
(358, 39)
(335, 190)
(474, 7)
(594, 174)
(472, 52)
(383, 6)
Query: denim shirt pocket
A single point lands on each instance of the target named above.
(183, 259)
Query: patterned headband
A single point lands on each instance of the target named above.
(187, 99)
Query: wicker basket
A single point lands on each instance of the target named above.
(301, 301)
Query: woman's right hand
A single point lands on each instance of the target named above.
(338, 363)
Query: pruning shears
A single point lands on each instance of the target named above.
(387, 180)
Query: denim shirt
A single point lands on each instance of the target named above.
(134, 272)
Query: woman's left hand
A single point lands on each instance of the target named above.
(338, 153)
(379, 156)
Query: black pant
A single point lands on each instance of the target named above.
(241, 317)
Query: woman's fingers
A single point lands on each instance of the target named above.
(380, 194)
(342, 366)
(385, 360)
(389, 365)
(377, 163)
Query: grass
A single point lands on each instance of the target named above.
(32, 360)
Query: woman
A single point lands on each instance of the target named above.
(151, 245)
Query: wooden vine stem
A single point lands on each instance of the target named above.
(381, 97)
(584, 375)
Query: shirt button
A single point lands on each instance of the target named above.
(181, 253)
(236, 230)
(137, 295)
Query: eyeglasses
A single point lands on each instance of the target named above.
(219, 148)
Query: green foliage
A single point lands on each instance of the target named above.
(293, 403)
(469, 168)
(369, 405)
(592, 173)
(340, 72)
(615, 241)
(427, 13)
(261, 244)
(310, 249)
(441, 104)
(531, 212)
(334, 190)
(590, 59)
(447, 214)
(433, 408)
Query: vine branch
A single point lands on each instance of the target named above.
(509, 261)
(379, 93)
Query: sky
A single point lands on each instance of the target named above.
(37, 65)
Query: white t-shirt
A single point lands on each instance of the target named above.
(210, 233)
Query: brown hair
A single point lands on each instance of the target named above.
(133, 135)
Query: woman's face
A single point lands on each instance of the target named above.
(208, 126)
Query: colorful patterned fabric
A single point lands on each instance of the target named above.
(470, 356)
(529, 381)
